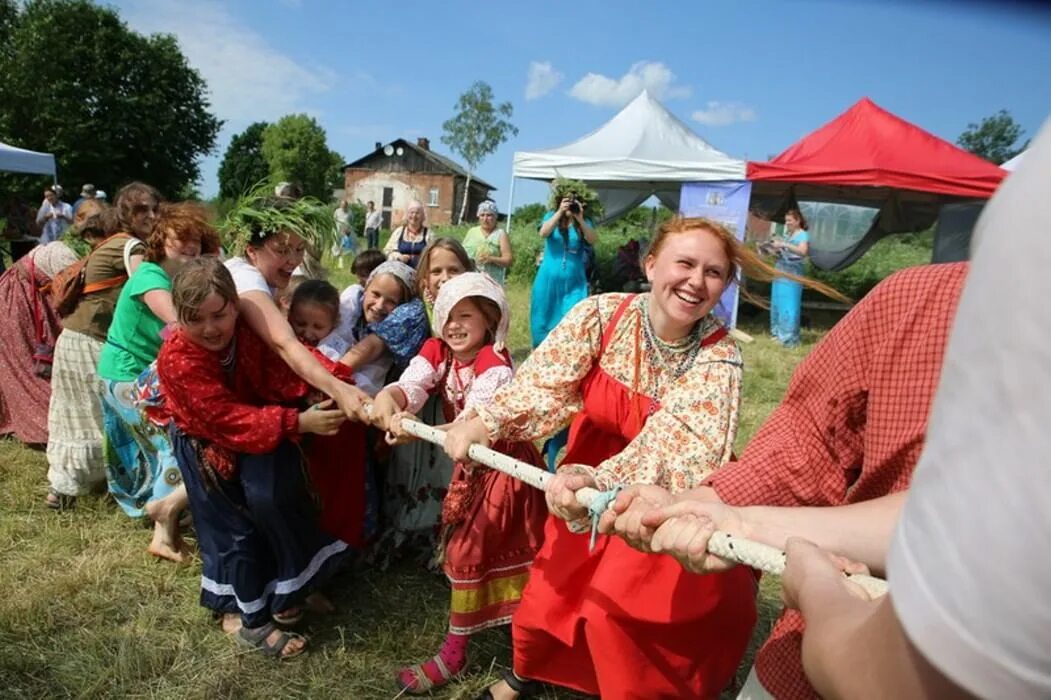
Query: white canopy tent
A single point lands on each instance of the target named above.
(1013, 164)
(19, 160)
(644, 150)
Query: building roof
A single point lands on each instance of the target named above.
(443, 162)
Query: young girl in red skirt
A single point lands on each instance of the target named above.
(337, 463)
(492, 524)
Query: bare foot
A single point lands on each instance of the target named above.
(168, 544)
(231, 623)
(317, 602)
(502, 691)
(166, 510)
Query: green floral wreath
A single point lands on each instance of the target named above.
(258, 214)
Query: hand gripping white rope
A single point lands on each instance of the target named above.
(722, 544)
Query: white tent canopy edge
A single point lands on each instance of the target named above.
(20, 160)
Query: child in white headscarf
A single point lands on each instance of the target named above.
(492, 524)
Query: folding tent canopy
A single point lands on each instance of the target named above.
(1012, 165)
(870, 157)
(19, 160)
(644, 150)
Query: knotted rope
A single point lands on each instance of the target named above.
(722, 544)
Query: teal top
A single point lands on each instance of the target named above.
(134, 337)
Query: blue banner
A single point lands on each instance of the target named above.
(727, 203)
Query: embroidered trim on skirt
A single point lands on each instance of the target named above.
(74, 417)
(261, 548)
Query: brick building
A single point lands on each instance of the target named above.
(398, 172)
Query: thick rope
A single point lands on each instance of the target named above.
(759, 556)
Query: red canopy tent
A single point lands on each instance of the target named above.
(870, 157)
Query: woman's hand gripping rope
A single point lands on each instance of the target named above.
(722, 544)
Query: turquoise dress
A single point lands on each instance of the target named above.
(786, 296)
(560, 282)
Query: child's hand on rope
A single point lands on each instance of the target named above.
(624, 517)
(813, 576)
(396, 434)
(321, 419)
(561, 492)
(683, 530)
(384, 407)
(462, 434)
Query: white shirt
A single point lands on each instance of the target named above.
(374, 220)
(246, 277)
(970, 563)
(53, 227)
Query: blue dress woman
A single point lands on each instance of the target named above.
(561, 282)
(786, 295)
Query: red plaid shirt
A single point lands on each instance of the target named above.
(851, 426)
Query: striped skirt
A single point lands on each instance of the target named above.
(74, 416)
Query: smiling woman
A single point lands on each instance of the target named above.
(650, 386)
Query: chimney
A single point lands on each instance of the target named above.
(424, 143)
(378, 145)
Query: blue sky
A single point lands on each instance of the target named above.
(750, 76)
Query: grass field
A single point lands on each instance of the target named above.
(87, 613)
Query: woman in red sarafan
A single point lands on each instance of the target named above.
(652, 385)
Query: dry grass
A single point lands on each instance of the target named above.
(87, 613)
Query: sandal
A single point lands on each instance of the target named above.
(420, 683)
(257, 638)
(525, 689)
(59, 501)
(288, 618)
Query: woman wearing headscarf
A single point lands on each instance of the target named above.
(488, 245)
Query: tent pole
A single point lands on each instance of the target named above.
(510, 202)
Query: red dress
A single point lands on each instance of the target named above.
(616, 622)
(336, 465)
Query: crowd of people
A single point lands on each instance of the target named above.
(234, 385)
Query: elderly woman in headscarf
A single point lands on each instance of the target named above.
(408, 240)
(488, 245)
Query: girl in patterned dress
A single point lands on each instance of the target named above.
(492, 524)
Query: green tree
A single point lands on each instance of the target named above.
(243, 164)
(296, 150)
(995, 138)
(477, 130)
(111, 104)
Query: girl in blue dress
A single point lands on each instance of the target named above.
(786, 295)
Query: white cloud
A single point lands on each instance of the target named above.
(654, 76)
(543, 78)
(724, 113)
(248, 79)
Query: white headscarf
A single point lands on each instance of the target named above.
(393, 267)
(473, 284)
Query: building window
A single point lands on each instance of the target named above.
(432, 200)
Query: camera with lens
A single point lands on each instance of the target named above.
(574, 206)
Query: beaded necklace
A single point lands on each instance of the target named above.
(673, 359)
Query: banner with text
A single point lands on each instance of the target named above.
(727, 203)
